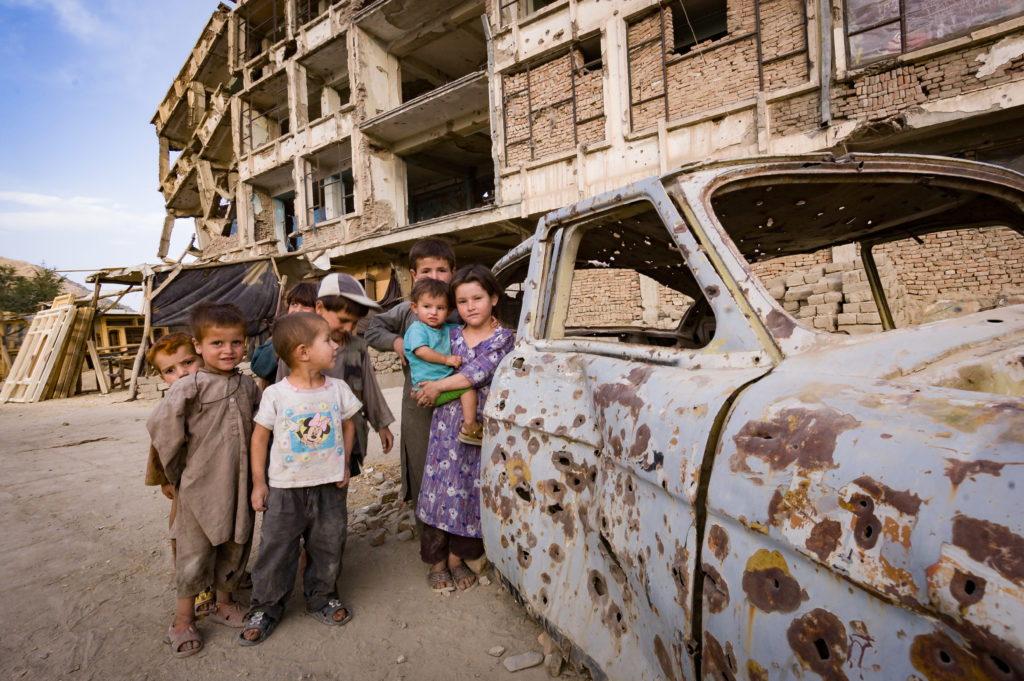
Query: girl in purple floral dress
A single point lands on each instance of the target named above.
(449, 501)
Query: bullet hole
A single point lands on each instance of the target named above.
(868, 531)
(544, 597)
(822, 648)
(564, 460)
(944, 657)
(501, 404)
(969, 587)
(597, 584)
(864, 503)
(523, 492)
(555, 508)
(1000, 665)
(517, 363)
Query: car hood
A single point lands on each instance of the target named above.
(980, 352)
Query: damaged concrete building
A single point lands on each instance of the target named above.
(326, 134)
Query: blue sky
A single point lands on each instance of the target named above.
(81, 80)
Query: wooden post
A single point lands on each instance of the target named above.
(144, 343)
(101, 378)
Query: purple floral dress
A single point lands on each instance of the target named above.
(450, 492)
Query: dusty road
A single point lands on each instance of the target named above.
(87, 591)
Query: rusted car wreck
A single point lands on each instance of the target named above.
(733, 492)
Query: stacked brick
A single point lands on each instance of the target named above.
(837, 296)
(784, 32)
(794, 115)
(608, 297)
(544, 122)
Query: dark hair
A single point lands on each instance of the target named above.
(303, 293)
(479, 274)
(431, 248)
(430, 287)
(293, 330)
(343, 304)
(168, 344)
(206, 314)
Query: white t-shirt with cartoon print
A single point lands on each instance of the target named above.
(308, 448)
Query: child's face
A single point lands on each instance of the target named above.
(173, 365)
(474, 304)
(322, 351)
(341, 323)
(431, 310)
(298, 307)
(432, 268)
(222, 348)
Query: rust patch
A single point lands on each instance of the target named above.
(555, 551)
(619, 393)
(716, 590)
(780, 324)
(802, 436)
(937, 657)
(614, 620)
(778, 510)
(643, 437)
(957, 471)
(596, 585)
(769, 585)
(756, 672)
(992, 544)
(664, 659)
(819, 640)
(577, 393)
(824, 538)
(721, 666)
(967, 589)
(866, 526)
(520, 409)
(905, 502)
(523, 556)
(680, 573)
(712, 291)
(718, 542)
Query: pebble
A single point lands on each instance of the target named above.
(522, 661)
(553, 664)
(378, 538)
(405, 535)
(401, 659)
(496, 651)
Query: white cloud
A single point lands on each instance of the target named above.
(72, 16)
(107, 219)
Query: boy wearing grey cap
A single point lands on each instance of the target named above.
(342, 302)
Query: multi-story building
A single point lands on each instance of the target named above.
(334, 134)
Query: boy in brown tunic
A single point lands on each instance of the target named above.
(201, 431)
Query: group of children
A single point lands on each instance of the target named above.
(222, 451)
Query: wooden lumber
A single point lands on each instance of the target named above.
(101, 376)
(72, 356)
(39, 352)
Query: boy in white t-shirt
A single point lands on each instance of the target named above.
(307, 494)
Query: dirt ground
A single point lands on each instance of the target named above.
(87, 575)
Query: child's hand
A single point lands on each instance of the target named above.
(259, 497)
(454, 361)
(168, 490)
(386, 439)
(344, 481)
(399, 347)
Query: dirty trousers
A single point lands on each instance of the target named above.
(317, 515)
(435, 545)
(198, 563)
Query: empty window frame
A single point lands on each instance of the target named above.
(330, 185)
(876, 30)
(510, 10)
(451, 177)
(258, 25)
(555, 105)
(308, 10)
(629, 284)
(264, 114)
(327, 78)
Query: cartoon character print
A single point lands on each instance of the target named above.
(311, 434)
(313, 430)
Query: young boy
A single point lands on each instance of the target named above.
(428, 259)
(342, 302)
(428, 348)
(310, 416)
(201, 431)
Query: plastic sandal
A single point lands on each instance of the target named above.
(326, 613)
(259, 621)
(179, 638)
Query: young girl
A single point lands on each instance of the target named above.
(449, 500)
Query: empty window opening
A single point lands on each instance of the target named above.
(510, 10)
(695, 22)
(451, 177)
(876, 30)
(286, 227)
(327, 79)
(308, 10)
(629, 284)
(330, 185)
(264, 114)
(456, 52)
(556, 105)
(258, 26)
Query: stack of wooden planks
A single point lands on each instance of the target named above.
(49, 362)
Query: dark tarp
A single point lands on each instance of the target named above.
(252, 286)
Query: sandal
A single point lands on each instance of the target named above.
(179, 638)
(438, 577)
(228, 614)
(474, 436)
(461, 573)
(257, 621)
(326, 613)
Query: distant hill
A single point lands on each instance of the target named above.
(26, 269)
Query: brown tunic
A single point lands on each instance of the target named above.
(201, 431)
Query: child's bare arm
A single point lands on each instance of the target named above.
(258, 445)
(348, 438)
(435, 357)
(387, 439)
